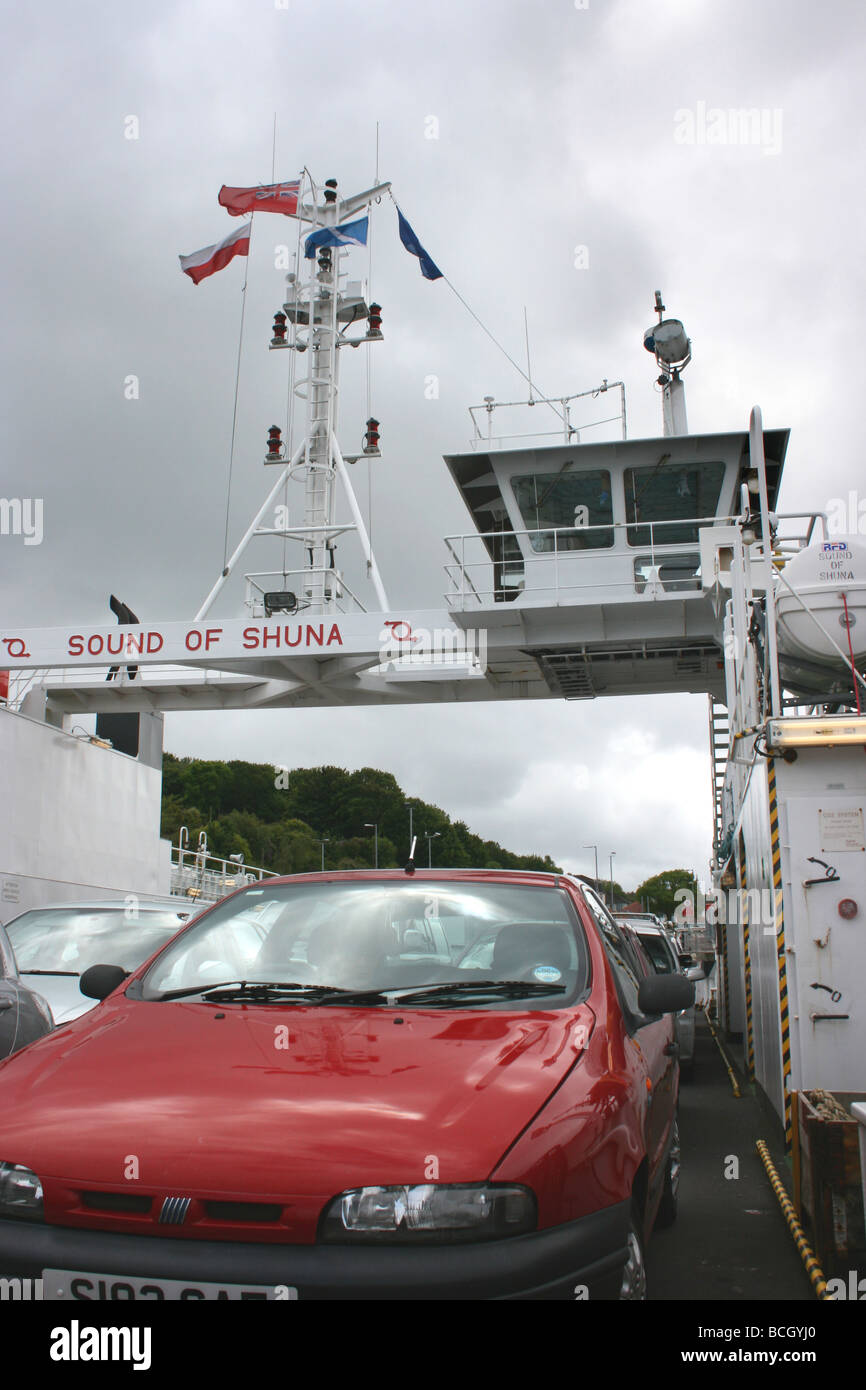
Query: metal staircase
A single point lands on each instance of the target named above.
(720, 736)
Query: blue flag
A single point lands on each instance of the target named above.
(429, 269)
(350, 234)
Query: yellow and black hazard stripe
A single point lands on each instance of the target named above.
(807, 1255)
(747, 964)
(722, 940)
(779, 922)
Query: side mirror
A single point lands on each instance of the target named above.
(665, 994)
(685, 958)
(98, 981)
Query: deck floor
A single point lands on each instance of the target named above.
(730, 1240)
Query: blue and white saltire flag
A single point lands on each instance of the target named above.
(429, 269)
(350, 234)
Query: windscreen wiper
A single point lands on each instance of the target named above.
(265, 991)
(444, 992)
(246, 989)
(74, 973)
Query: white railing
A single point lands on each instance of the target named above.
(22, 681)
(337, 591)
(572, 570)
(483, 437)
(198, 875)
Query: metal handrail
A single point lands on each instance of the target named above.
(463, 585)
(304, 575)
(196, 873)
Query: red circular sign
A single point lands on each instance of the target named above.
(848, 908)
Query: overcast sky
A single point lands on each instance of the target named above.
(557, 126)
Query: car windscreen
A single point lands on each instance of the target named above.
(659, 951)
(398, 935)
(68, 940)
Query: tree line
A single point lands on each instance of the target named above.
(277, 819)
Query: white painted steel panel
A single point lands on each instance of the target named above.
(755, 826)
(76, 820)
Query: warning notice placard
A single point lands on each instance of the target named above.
(841, 829)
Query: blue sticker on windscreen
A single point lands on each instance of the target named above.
(546, 974)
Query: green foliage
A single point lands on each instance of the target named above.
(243, 811)
(659, 892)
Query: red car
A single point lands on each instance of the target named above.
(384, 1084)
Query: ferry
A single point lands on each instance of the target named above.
(587, 569)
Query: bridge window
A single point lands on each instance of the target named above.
(578, 505)
(671, 493)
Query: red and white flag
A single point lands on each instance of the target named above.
(212, 258)
(271, 197)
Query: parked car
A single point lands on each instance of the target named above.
(631, 919)
(24, 1014)
(363, 1112)
(56, 944)
(660, 947)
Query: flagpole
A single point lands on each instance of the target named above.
(369, 358)
(237, 386)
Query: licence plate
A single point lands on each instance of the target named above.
(67, 1285)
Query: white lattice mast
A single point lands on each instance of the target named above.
(320, 313)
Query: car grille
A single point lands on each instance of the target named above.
(181, 1215)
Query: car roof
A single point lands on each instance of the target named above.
(525, 876)
(111, 905)
(647, 927)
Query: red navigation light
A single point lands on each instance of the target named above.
(275, 445)
(279, 338)
(371, 437)
(848, 908)
(374, 321)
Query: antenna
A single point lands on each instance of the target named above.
(410, 864)
(672, 349)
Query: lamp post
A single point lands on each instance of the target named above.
(595, 847)
(371, 825)
(324, 842)
(436, 835)
(612, 853)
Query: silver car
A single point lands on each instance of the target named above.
(54, 945)
(24, 1014)
(661, 948)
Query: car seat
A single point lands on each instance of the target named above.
(522, 947)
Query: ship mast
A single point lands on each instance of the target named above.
(668, 341)
(320, 311)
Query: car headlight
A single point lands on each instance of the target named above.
(20, 1192)
(430, 1213)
